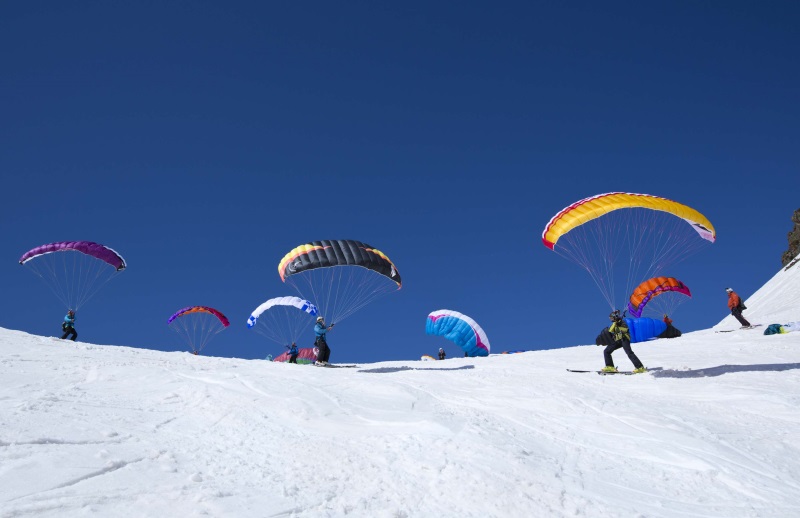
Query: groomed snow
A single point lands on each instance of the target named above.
(713, 430)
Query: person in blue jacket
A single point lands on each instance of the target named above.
(293, 352)
(68, 326)
(321, 341)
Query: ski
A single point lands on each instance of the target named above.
(602, 373)
(740, 329)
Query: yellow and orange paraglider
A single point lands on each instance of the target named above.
(595, 206)
(622, 239)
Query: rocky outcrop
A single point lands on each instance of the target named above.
(789, 256)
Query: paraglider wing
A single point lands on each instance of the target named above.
(621, 238)
(305, 355)
(77, 272)
(670, 332)
(197, 325)
(640, 329)
(460, 329)
(643, 329)
(282, 319)
(595, 206)
(427, 358)
(200, 309)
(339, 276)
(302, 305)
(95, 250)
(652, 288)
(326, 253)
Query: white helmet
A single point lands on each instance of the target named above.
(728, 290)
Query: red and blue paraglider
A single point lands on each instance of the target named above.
(197, 325)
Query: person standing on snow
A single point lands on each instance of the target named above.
(441, 354)
(736, 305)
(293, 352)
(321, 342)
(68, 326)
(622, 338)
(667, 320)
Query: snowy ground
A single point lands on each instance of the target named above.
(713, 430)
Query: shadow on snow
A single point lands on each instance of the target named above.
(381, 370)
(725, 369)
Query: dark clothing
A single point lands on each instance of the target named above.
(442, 355)
(736, 312)
(69, 330)
(670, 332)
(604, 338)
(626, 346)
(324, 351)
(321, 342)
(622, 338)
(293, 358)
(68, 326)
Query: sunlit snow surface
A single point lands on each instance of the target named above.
(713, 430)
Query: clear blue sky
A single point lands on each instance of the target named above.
(204, 140)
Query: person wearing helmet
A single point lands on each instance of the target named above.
(667, 320)
(736, 305)
(321, 342)
(622, 338)
(442, 355)
(68, 326)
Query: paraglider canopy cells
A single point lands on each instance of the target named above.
(460, 329)
(74, 270)
(339, 276)
(197, 325)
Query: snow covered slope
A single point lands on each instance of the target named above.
(776, 302)
(713, 430)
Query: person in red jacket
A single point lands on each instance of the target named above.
(667, 320)
(736, 306)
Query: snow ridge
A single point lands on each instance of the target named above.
(712, 431)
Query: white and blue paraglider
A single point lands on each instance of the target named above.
(460, 329)
(282, 319)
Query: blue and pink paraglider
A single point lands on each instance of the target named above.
(460, 329)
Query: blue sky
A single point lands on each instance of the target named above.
(204, 141)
